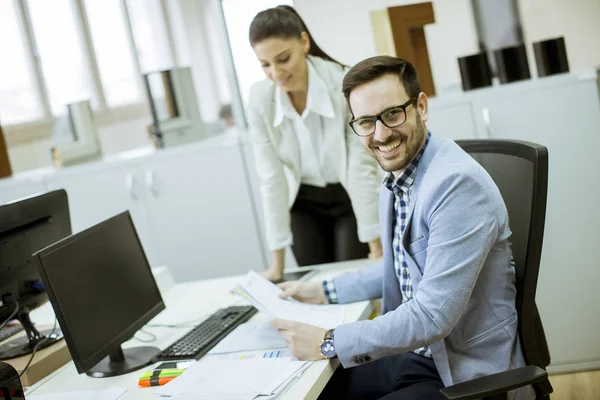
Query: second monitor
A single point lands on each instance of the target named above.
(26, 226)
(102, 290)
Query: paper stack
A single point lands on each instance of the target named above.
(264, 295)
(218, 378)
(286, 378)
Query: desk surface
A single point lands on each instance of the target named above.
(194, 301)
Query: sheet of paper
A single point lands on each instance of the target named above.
(212, 378)
(250, 336)
(264, 295)
(247, 355)
(103, 394)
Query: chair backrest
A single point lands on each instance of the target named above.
(520, 170)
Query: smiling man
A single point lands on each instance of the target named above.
(446, 279)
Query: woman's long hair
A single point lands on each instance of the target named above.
(283, 22)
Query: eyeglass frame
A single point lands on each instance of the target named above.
(377, 117)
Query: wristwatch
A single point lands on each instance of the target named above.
(327, 346)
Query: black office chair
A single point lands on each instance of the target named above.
(520, 169)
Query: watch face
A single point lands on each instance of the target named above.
(328, 349)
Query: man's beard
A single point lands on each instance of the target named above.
(410, 147)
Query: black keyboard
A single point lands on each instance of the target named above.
(207, 334)
(9, 331)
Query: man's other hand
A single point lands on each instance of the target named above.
(304, 340)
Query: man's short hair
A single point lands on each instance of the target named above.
(375, 67)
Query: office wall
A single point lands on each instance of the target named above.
(343, 29)
(577, 20)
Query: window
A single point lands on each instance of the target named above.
(150, 32)
(61, 53)
(113, 49)
(19, 101)
(238, 17)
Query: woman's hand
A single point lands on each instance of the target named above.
(375, 249)
(275, 271)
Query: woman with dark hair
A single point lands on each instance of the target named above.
(319, 186)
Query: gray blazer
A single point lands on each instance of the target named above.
(458, 254)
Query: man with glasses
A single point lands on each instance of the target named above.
(447, 281)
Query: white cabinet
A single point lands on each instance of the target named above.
(12, 189)
(191, 207)
(451, 120)
(100, 191)
(202, 215)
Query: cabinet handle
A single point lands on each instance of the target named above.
(151, 183)
(487, 121)
(130, 184)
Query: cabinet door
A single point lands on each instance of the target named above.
(98, 193)
(451, 121)
(11, 189)
(202, 214)
(565, 119)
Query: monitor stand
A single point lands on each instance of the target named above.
(123, 361)
(24, 345)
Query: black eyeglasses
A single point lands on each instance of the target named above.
(392, 117)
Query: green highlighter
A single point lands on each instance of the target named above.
(163, 373)
(159, 377)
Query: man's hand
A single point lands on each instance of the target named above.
(304, 340)
(306, 292)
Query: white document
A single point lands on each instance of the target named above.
(250, 336)
(264, 295)
(218, 378)
(102, 394)
(247, 355)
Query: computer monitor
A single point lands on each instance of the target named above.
(26, 226)
(102, 289)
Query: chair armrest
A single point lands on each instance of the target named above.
(495, 384)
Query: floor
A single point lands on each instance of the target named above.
(578, 386)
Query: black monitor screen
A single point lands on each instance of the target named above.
(102, 288)
(26, 226)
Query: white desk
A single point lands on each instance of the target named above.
(194, 301)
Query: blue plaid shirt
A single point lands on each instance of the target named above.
(400, 186)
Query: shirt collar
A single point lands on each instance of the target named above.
(318, 100)
(406, 178)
